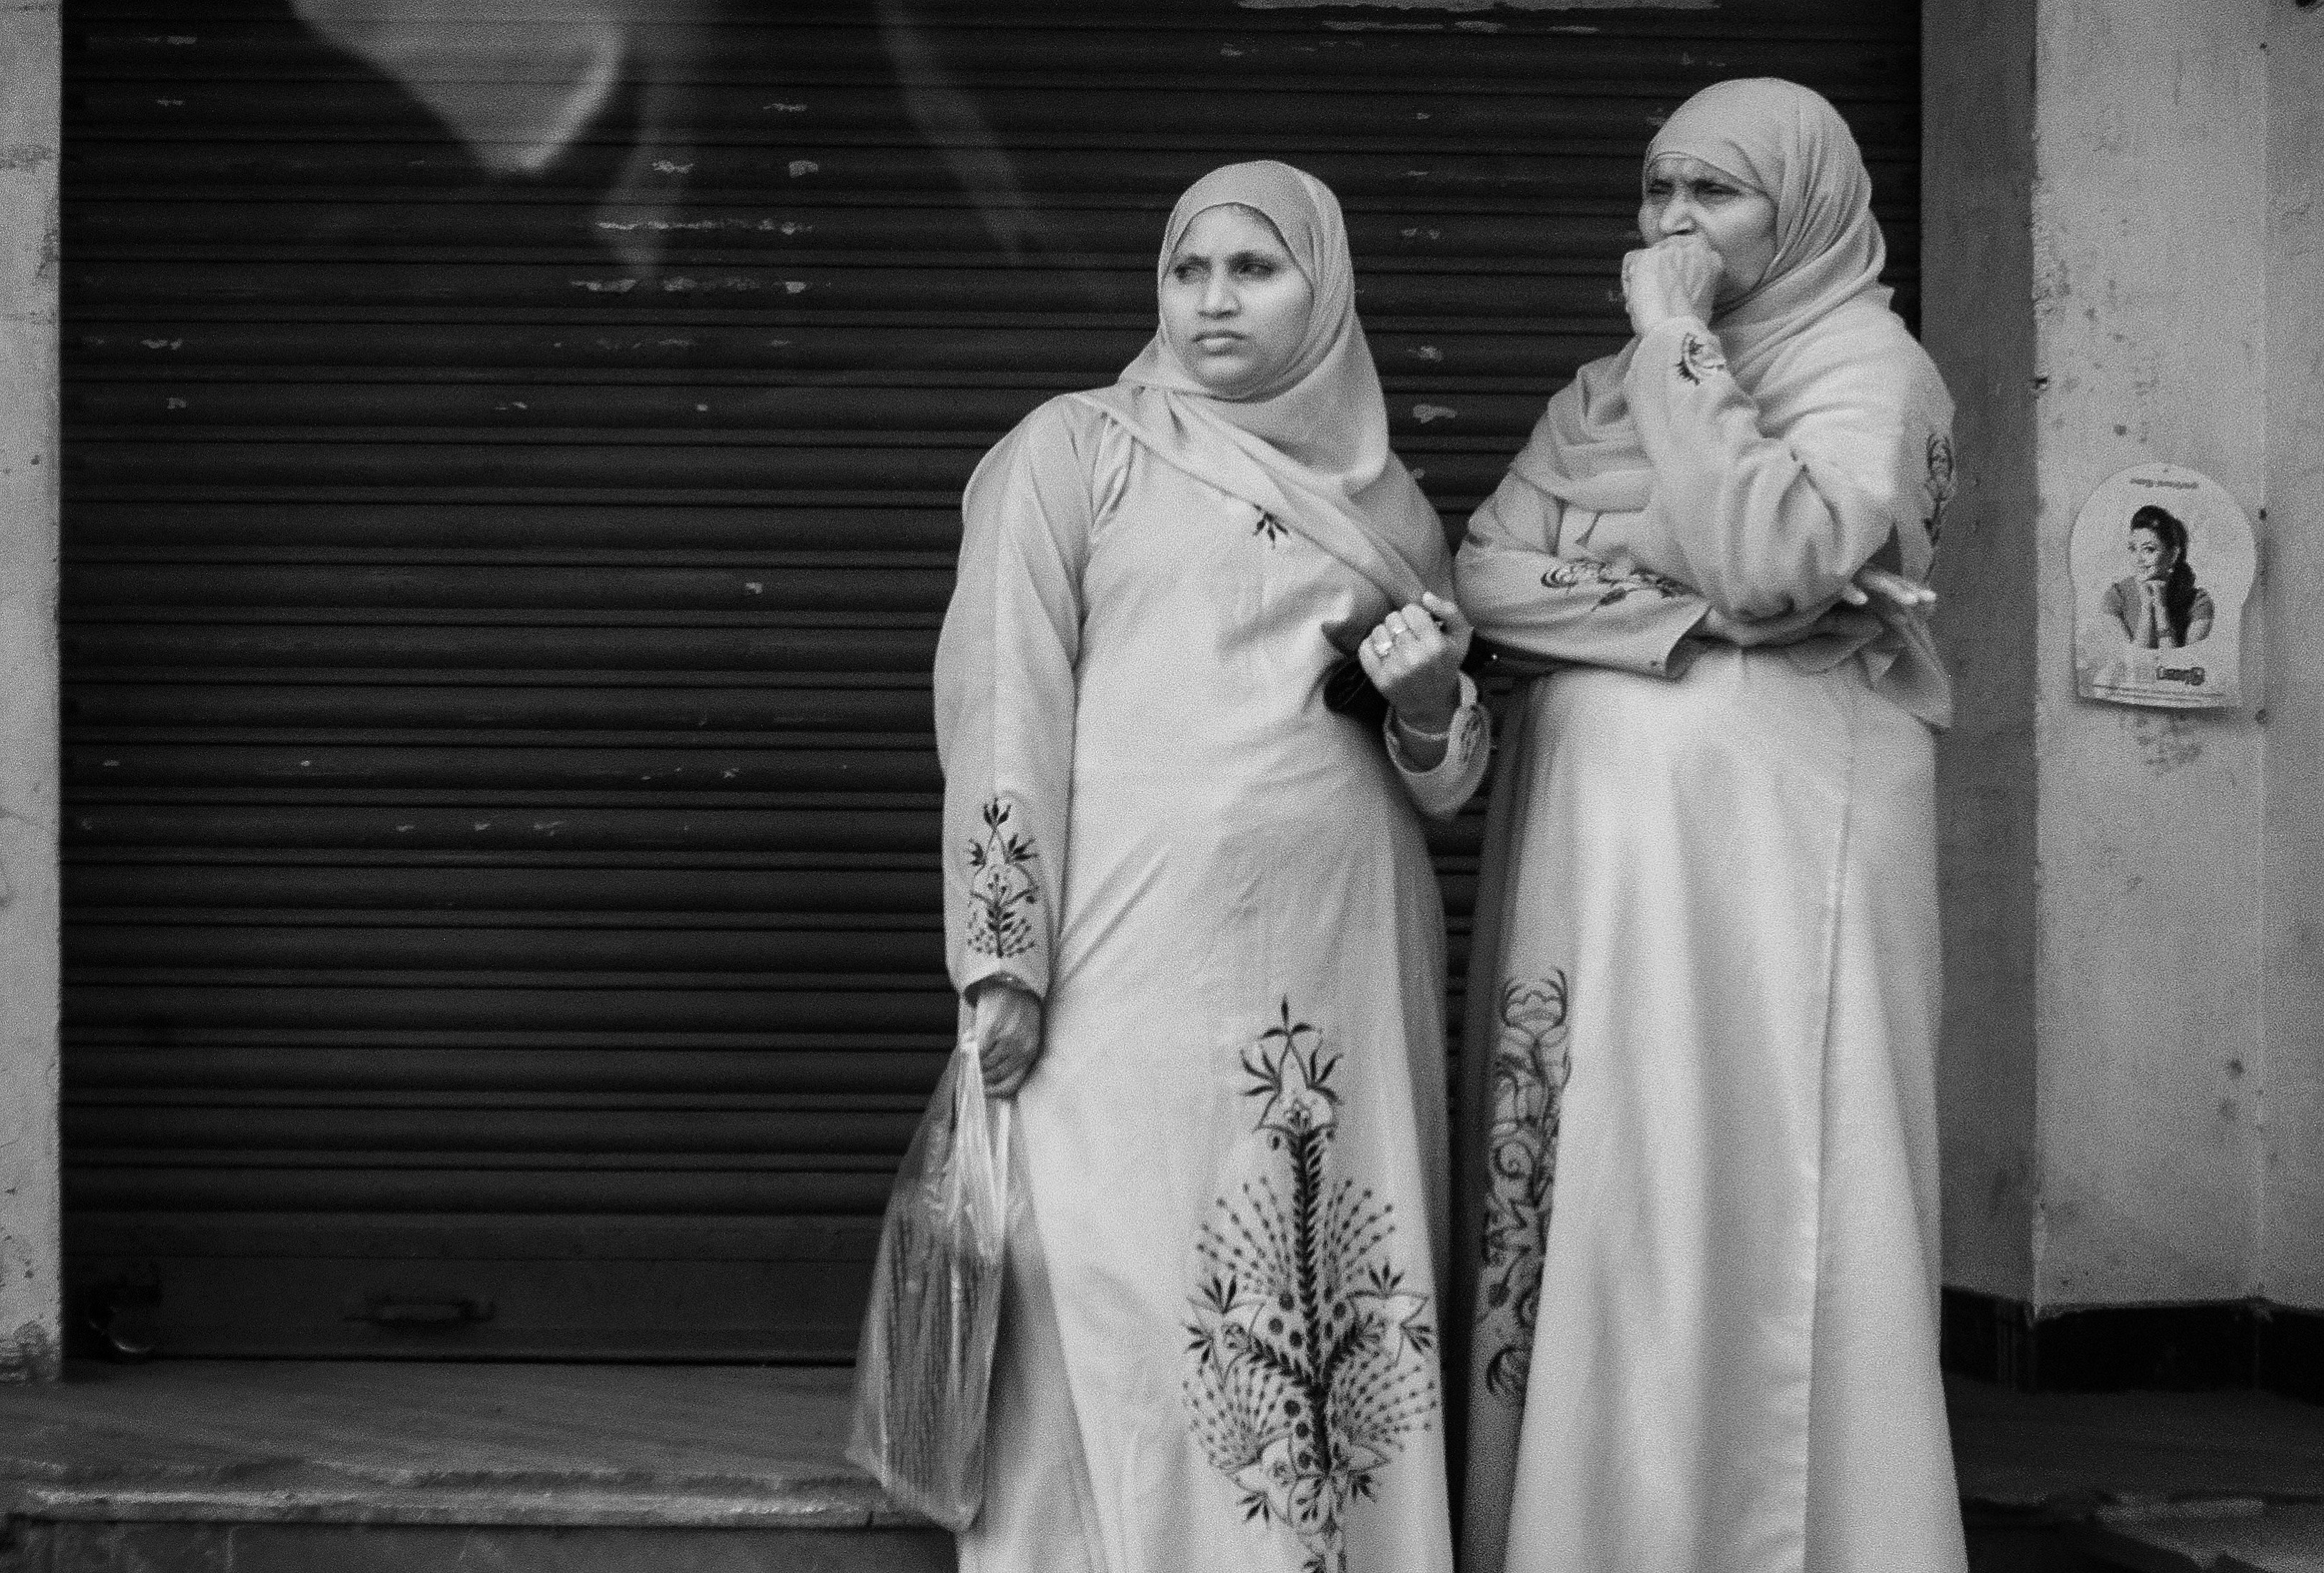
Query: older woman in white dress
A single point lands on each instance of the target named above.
(1703, 998)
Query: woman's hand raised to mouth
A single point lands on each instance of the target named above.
(1675, 277)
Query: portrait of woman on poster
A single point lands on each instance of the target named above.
(2160, 606)
(1699, 1090)
(1193, 917)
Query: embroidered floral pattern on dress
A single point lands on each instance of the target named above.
(1469, 734)
(1530, 1069)
(1617, 585)
(1698, 357)
(1272, 528)
(1938, 485)
(1001, 889)
(1310, 1359)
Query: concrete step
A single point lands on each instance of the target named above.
(2119, 1482)
(198, 1466)
(2023, 1543)
(345, 1548)
(260, 1466)
(2244, 1536)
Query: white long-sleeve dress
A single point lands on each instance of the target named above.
(1703, 996)
(1219, 1341)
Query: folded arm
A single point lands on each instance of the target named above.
(1767, 528)
(1521, 593)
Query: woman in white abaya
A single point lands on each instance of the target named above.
(1703, 1007)
(1194, 914)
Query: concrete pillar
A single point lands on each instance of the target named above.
(2124, 264)
(30, 1250)
(2293, 586)
(1977, 320)
(2149, 236)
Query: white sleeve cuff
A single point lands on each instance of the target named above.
(1468, 746)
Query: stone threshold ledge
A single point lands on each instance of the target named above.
(568, 1504)
(2240, 1537)
(268, 1467)
(2204, 1482)
(384, 1444)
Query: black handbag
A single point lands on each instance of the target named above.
(1350, 693)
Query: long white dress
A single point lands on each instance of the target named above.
(1703, 1002)
(1219, 1345)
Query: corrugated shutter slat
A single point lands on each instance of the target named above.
(501, 802)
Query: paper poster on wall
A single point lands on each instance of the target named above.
(2163, 559)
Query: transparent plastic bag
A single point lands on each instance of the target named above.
(923, 1370)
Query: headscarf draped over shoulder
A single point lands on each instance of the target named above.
(1311, 449)
(1817, 326)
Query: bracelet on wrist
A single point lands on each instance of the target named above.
(1414, 735)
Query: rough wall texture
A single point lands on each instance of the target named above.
(2294, 589)
(2134, 1073)
(29, 1246)
(1976, 317)
(2149, 222)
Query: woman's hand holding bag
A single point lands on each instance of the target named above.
(1006, 1022)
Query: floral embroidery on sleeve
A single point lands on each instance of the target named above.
(1309, 1354)
(1472, 729)
(1938, 485)
(1698, 358)
(1001, 889)
(1530, 1070)
(1586, 573)
(1273, 529)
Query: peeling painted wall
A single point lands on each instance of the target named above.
(2292, 1269)
(2149, 232)
(29, 1244)
(1977, 319)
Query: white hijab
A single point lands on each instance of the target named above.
(1311, 447)
(1816, 328)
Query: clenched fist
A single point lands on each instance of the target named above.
(1413, 659)
(1675, 277)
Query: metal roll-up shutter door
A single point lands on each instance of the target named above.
(502, 808)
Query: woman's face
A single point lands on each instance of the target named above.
(2152, 554)
(1685, 196)
(1234, 305)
